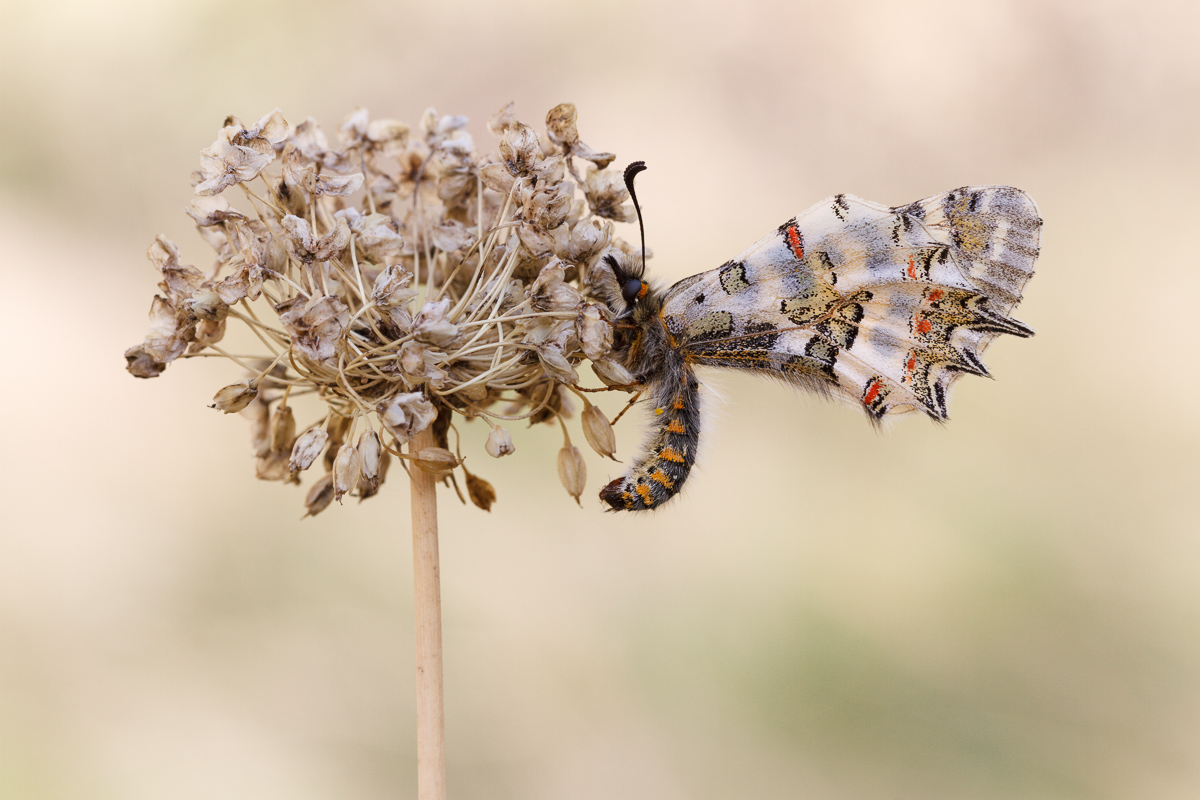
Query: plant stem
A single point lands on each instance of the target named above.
(431, 739)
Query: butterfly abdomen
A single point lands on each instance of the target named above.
(660, 472)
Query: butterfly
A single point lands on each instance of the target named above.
(880, 307)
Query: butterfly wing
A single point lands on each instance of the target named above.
(882, 307)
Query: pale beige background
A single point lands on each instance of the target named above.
(1003, 607)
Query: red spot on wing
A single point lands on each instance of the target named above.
(912, 268)
(910, 366)
(872, 392)
(935, 295)
(922, 325)
(795, 242)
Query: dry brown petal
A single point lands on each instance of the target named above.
(207, 333)
(214, 210)
(572, 471)
(283, 430)
(375, 236)
(370, 455)
(224, 164)
(235, 396)
(391, 288)
(550, 292)
(598, 431)
(606, 195)
(142, 364)
(319, 496)
(520, 149)
(316, 327)
(502, 120)
(436, 460)
(307, 248)
(480, 491)
(271, 466)
(307, 448)
(347, 469)
(595, 333)
(588, 238)
(496, 177)
(406, 415)
(560, 124)
(310, 140)
(169, 332)
(420, 364)
(601, 160)
(259, 414)
(549, 205)
(266, 135)
(499, 443)
(338, 427)
(207, 304)
(432, 326)
(613, 373)
(370, 489)
(451, 235)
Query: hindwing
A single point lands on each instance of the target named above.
(882, 307)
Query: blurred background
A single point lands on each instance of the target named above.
(1006, 606)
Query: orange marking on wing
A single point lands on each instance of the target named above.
(872, 392)
(911, 366)
(794, 242)
(644, 492)
(675, 426)
(935, 295)
(921, 324)
(662, 477)
(912, 268)
(671, 454)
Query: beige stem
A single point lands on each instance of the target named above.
(431, 739)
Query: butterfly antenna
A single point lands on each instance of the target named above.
(630, 173)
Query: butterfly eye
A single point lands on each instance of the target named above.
(632, 290)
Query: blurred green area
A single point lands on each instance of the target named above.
(1002, 607)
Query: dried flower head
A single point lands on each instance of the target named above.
(388, 279)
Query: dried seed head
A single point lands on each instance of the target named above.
(572, 471)
(394, 276)
(347, 469)
(499, 443)
(307, 448)
(598, 431)
(235, 396)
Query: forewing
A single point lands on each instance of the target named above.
(883, 307)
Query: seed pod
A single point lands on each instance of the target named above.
(338, 426)
(283, 429)
(370, 455)
(319, 496)
(235, 396)
(480, 491)
(598, 432)
(307, 448)
(499, 443)
(347, 469)
(437, 460)
(572, 471)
